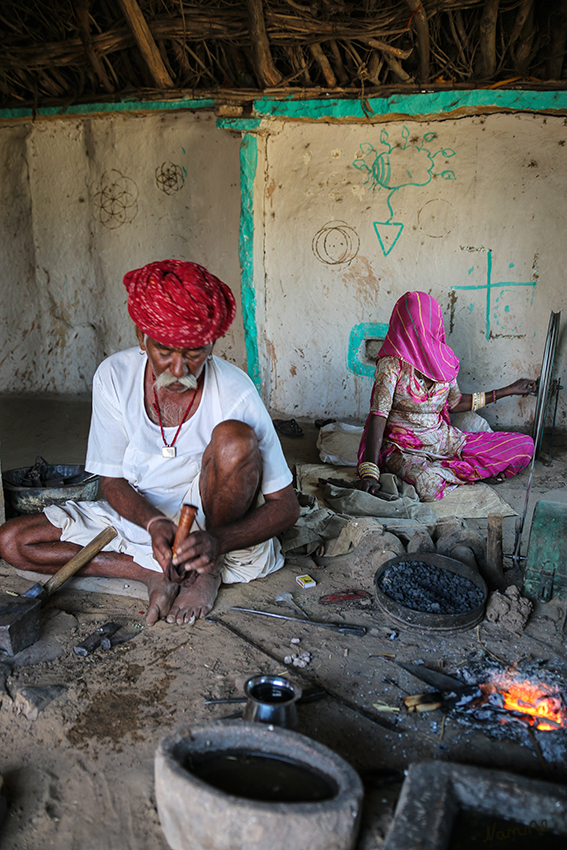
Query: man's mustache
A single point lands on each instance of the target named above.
(166, 378)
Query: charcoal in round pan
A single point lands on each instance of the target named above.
(435, 622)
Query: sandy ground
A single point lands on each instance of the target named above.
(81, 774)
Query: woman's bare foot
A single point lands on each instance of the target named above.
(162, 593)
(196, 598)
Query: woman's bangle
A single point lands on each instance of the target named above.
(478, 401)
(151, 521)
(367, 469)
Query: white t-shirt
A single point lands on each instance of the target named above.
(125, 443)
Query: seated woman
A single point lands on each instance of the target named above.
(408, 430)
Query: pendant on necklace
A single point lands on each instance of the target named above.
(169, 451)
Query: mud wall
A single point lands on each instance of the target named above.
(317, 223)
(471, 210)
(83, 201)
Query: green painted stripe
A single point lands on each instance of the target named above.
(119, 106)
(248, 165)
(242, 124)
(427, 103)
(358, 334)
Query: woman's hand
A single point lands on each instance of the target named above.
(523, 386)
(368, 485)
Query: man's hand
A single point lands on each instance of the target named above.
(199, 552)
(162, 533)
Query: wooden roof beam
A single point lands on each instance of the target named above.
(81, 12)
(267, 72)
(146, 44)
(419, 20)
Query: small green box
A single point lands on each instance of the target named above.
(545, 575)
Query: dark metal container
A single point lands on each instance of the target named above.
(79, 486)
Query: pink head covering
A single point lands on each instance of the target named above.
(179, 304)
(416, 334)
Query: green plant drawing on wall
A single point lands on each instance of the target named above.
(397, 166)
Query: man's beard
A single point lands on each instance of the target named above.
(166, 378)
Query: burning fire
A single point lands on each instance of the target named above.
(539, 704)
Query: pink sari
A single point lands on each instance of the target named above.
(420, 445)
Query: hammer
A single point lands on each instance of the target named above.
(19, 615)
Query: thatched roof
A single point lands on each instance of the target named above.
(70, 51)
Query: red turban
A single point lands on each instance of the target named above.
(179, 304)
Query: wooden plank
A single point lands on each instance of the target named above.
(146, 44)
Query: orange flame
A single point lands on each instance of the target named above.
(540, 704)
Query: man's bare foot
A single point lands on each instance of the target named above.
(196, 598)
(162, 593)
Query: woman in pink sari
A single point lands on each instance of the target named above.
(408, 430)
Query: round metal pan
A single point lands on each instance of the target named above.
(82, 487)
(431, 622)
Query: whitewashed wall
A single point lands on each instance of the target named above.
(444, 206)
(447, 207)
(82, 203)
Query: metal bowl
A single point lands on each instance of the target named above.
(81, 486)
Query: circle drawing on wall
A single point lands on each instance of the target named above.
(116, 202)
(437, 218)
(169, 178)
(336, 243)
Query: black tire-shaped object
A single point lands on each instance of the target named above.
(545, 380)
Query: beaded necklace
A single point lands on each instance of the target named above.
(169, 449)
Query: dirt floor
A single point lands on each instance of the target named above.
(80, 775)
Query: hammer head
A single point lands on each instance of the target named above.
(19, 623)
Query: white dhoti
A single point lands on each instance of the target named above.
(81, 521)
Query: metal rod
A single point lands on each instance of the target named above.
(311, 679)
(344, 628)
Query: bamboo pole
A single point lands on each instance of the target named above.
(268, 74)
(146, 44)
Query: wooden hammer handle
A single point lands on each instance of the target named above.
(186, 517)
(80, 559)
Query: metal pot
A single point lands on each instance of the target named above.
(272, 699)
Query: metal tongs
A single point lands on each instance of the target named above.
(344, 628)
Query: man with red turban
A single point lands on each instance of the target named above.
(173, 426)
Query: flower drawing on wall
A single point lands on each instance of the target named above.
(116, 201)
(395, 166)
(169, 178)
(335, 243)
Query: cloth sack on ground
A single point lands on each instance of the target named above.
(470, 422)
(354, 514)
(338, 443)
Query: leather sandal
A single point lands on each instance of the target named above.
(288, 428)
